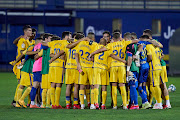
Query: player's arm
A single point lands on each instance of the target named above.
(33, 52)
(149, 53)
(52, 55)
(15, 42)
(134, 41)
(155, 43)
(97, 51)
(37, 56)
(140, 47)
(56, 56)
(72, 45)
(117, 58)
(78, 63)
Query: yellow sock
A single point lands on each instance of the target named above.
(156, 91)
(104, 95)
(81, 96)
(44, 93)
(123, 95)
(114, 95)
(52, 92)
(15, 96)
(167, 97)
(19, 94)
(92, 96)
(128, 97)
(88, 95)
(147, 90)
(48, 97)
(26, 93)
(72, 94)
(57, 95)
(29, 99)
(96, 93)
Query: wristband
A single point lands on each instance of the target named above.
(137, 53)
(128, 68)
(80, 71)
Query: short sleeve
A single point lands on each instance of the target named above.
(40, 53)
(21, 45)
(108, 46)
(148, 48)
(49, 44)
(128, 42)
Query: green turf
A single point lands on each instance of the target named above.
(7, 88)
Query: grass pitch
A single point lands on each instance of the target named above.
(8, 84)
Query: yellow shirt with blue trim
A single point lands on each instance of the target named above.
(56, 46)
(21, 46)
(119, 49)
(84, 50)
(156, 56)
(101, 59)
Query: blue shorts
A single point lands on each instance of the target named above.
(134, 82)
(37, 76)
(143, 75)
(136, 74)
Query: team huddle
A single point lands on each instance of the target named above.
(129, 65)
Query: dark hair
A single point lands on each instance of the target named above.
(127, 35)
(81, 33)
(144, 37)
(106, 32)
(116, 35)
(65, 33)
(134, 35)
(148, 31)
(74, 34)
(34, 30)
(117, 30)
(46, 35)
(55, 37)
(79, 36)
(91, 33)
(41, 35)
(39, 38)
(26, 27)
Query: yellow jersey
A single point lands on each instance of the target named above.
(70, 57)
(156, 56)
(56, 46)
(119, 49)
(101, 59)
(84, 50)
(32, 42)
(21, 46)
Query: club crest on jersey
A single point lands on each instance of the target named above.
(23, 45)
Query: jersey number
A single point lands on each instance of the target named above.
(144, 55)
(72, 53)
(101, 55)
(121, 54)
(86, 53)
(56, 50)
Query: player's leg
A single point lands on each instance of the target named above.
(122, 80)
(113, 81)
(44, 89)
(68, 79)
(97, 82)
(57, 95)
(82, 83)
(76, 89)
(87, 93)
(28, 84)
(37, 79)
(48, 93)
(164, 89)
(155, 87)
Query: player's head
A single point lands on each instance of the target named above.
(41, 35)
(116, 36)
(127, 36)
(148, 32)
(55, 37)
(81, 33)
(133, 35)
(38, 40)
(91, 36)
(79, 36)
(66, 35)
(107, 36)
(47, 37)
(33, 33)
(27, 30)
(118, 31)
(144, 37)
(74, 35)
(103, 41)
